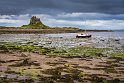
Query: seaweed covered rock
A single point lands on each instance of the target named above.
(35, 23)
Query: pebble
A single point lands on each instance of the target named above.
(121, 62)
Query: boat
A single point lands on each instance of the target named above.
(83, 35)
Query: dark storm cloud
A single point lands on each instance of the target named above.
(100, 6)
(21, 6)
(56, 6)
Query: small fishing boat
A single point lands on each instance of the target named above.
(83, 35)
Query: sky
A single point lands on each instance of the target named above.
(84, 14)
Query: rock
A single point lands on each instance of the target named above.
(2, 76)
(121, 62)
(34, 20)
(35, 23)
(116, 39)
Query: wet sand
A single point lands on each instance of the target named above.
(95, 70)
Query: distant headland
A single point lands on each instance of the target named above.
(36, 26)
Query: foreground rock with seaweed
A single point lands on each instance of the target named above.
(37, 64)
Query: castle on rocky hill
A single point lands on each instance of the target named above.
(35, 23)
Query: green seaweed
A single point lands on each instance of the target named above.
(77, 52)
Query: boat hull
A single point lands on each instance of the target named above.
(88, 36)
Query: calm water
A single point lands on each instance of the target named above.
(114, 35)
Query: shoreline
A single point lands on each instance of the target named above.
(46, 31)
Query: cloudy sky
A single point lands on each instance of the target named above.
(89, 14)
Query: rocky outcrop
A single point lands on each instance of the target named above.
(35, 23)
(34, 20)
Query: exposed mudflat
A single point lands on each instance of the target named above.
(22, 67)
(62, 58)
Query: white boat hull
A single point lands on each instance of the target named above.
(87, 36)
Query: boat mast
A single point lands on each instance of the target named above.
(85, 30)
(85, 26)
